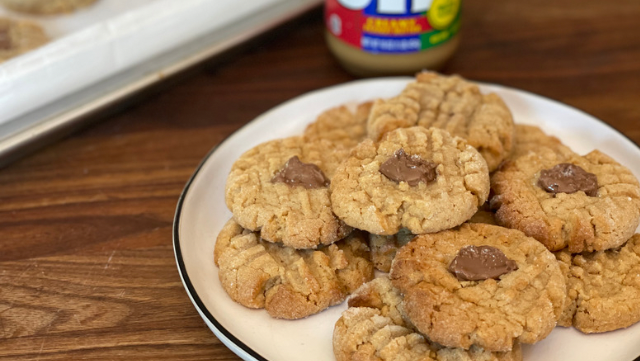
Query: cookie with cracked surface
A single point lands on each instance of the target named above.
(532, 139)
(603, 288)
(453, 104)
(384, 248)
(363, 333)
(480, 285)
(379, 293)
(18, 37)
(289, 283)
(280, 188)
(564, 262)
(421, 179)
(374, 328)
(46, 7)
(585, 203)
(341, 125)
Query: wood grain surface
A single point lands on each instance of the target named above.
(87, 270)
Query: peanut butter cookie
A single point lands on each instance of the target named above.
(453, 104)
(46, 7)
(280, 188)
(384, 248)
(421, 179)
(531, 139)
(340, 125)
(289, 283)
(374, 328)
(479, 285)
(603, 288)
(586, 203)
(17, 37)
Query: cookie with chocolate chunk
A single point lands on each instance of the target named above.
(281, 189)
(603, 288)
(18, 37)
(46, 7)
(479, 285)
(384, 248)
(453, 104)
(424, 180)
(375, 328)
(289, 283)
(585, 203)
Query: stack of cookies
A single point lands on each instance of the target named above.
(491, 233)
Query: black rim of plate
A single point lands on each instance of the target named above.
(176, 225)
(183, 269)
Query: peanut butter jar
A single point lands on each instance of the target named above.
(392, 37)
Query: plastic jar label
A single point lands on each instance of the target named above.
(393, 26)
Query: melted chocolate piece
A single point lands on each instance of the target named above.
(408, 168)
(477, 263)
(295, 173)
(5, 39)
(568, 178)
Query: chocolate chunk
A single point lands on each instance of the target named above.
(5, 39)
(477, 263)
(568, 178)
(295, 173)
(408, 168)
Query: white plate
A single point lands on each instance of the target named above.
(252, 334)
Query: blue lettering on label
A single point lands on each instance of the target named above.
(376, 44)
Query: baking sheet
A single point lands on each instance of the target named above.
(58, 26)
(115, 48)
(109, 46)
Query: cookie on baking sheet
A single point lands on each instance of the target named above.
(46, 7)
(341, 125)
(479, 285)
(281, 189)
(585, 203)
(374, 328)
(421, 179)
(289, 283)
(603, 288)
(18, 36)
(531, 139)
(453, 104)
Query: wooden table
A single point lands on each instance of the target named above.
(87, 269)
